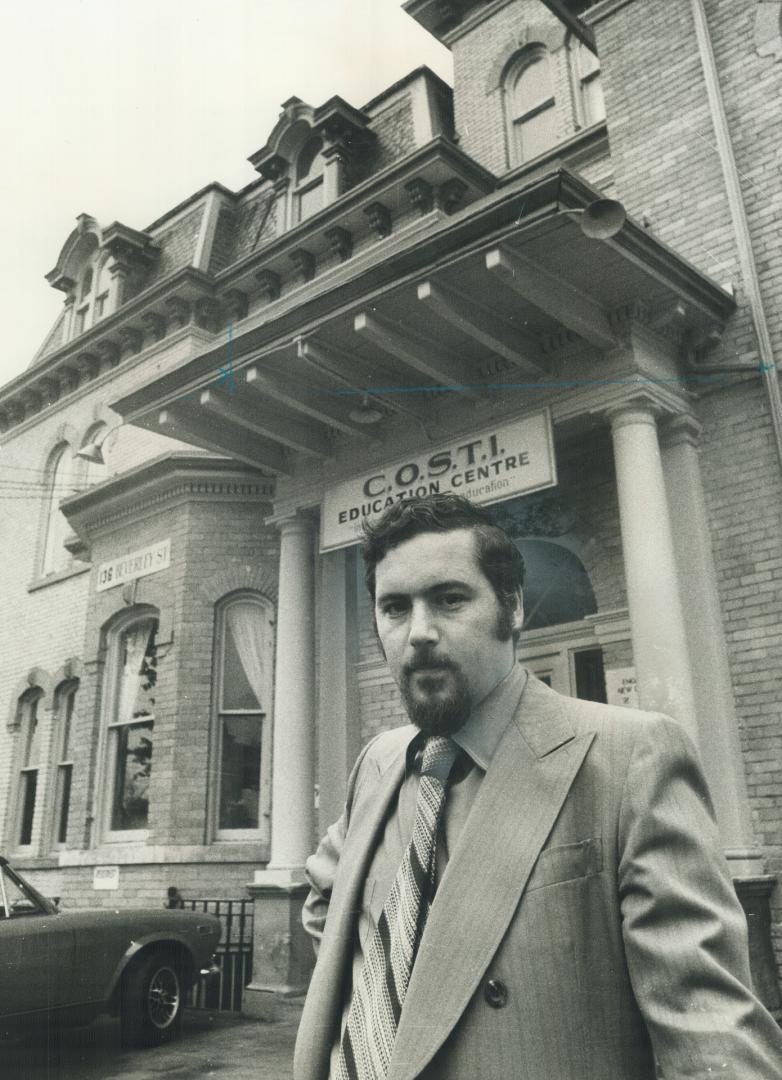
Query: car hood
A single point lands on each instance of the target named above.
(141, 921)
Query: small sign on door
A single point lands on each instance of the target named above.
(622, 687)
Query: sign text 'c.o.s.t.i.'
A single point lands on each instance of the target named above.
(490, 466)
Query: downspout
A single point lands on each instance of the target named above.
(767, 367)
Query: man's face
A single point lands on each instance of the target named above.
(439, 623)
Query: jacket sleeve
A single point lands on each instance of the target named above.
(321, 868)
(684, 930)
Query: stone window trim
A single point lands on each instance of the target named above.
(221, 829)
(551, 38)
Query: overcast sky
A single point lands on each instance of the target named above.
(122, 108)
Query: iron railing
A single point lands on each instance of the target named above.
(234, 956)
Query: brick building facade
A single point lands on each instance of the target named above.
(405, 282)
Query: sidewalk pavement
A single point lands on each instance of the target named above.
(227, 1046)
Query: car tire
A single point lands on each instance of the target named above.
(152, 1000)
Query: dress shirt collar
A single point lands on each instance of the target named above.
(481, 733)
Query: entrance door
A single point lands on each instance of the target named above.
(573, 667)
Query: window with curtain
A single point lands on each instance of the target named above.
(65, 700)
(531, 105)
(56, 557)
(132, 724)
(309, 179)
(29, 727)
(245, 646)
(591, 100)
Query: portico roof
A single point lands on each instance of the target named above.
(506, 290)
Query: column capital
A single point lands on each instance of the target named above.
(682, 430)
(638, 406)
(295, 521)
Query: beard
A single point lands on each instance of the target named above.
(437, 702)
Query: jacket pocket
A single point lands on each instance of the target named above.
(567, 862)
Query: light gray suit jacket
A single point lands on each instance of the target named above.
(589, 881)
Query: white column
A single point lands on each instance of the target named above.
(715, 708)
(656, 619)
(293, 775)
(339, 739)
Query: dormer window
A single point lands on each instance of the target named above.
(309, 179)
(531, 104)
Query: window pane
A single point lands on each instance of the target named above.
(587, 61)
(63, 802)
(66, 715)
(29, 785)
(131, 783)
(594, 104)
(536, 134)
(33, 740)
(310, 200)
(310, 161)
(240, 772)
(19, 902)
(86, 284)
(138, 679)
(237, 692)
(533, 86)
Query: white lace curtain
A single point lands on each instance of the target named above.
(136, 642)
(246, 622)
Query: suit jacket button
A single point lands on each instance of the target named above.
(496, 993)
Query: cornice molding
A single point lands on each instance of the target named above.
(168, 479)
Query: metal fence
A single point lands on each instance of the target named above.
(234, 955)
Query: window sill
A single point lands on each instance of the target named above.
(63, 575)
(22, 861)
(134, 854)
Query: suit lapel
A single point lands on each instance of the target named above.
(323, 1005)
(518, 802)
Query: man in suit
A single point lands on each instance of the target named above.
(522, 884)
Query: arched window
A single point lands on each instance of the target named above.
(64, 702)
(30, 762)
(531, 105)
(590, 91)
(244, 657)
(309, 179)
(133, 678)
(102, 290)
(56, 557)
(557, 588)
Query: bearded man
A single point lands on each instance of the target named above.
(522, 884)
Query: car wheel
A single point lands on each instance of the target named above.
(152, 1000)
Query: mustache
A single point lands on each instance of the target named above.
(428, 662)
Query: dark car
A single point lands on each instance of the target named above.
(137, 963)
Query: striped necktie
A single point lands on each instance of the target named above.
(379, 995)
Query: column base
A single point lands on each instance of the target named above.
(754, 894)
(283, 956)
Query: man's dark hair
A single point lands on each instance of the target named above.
(498, 557)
